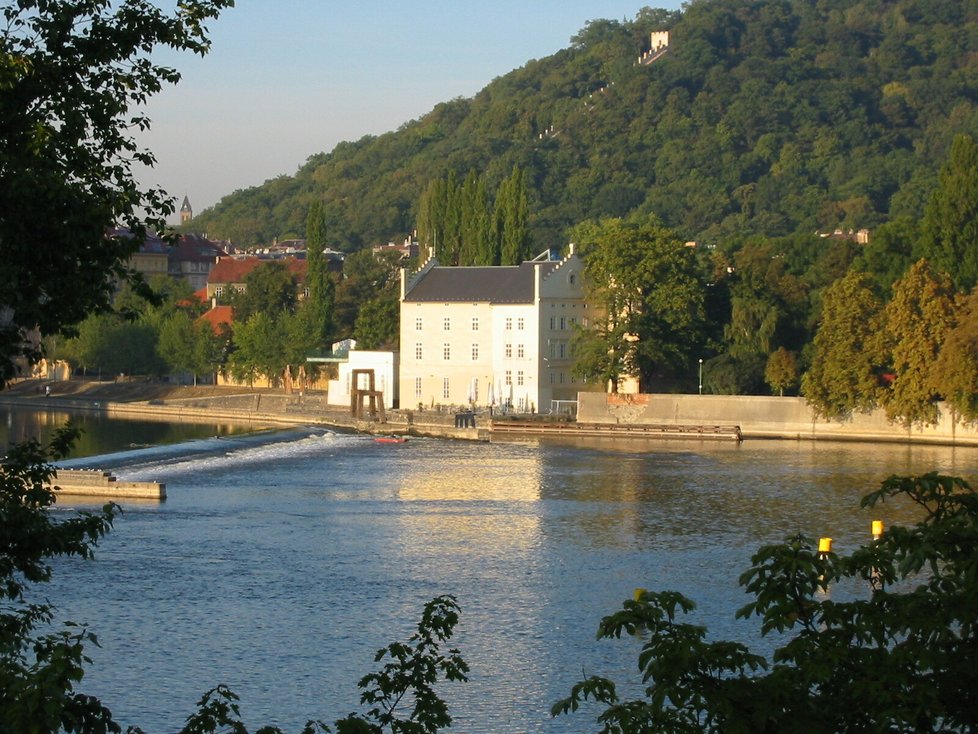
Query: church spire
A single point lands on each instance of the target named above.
(186, 211)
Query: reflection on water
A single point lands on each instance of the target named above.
(100, 434)
(281, 562)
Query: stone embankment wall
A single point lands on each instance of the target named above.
(765, 417)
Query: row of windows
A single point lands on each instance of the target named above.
(447, 323)
(565, 322)
(446, 351)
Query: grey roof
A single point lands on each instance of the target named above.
(499, 284)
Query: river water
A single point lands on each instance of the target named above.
(280, 562)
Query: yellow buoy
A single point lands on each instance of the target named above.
(639, 593)
(825, 545)
(877, 528)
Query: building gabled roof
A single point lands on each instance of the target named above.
(495, 284)
(218, 317)
(192, 247)
(234, 270)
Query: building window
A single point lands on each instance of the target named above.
(475, 352)
(475, 323)
(417, 387)
(519, 351)
(509, 377)
(551, 378)
(519, 377)
(417, 351)
(509, 323)
(561, 378)
(447, 324)
(417, 324)
(445, 389)
(520, 323)
(446, 351)
(563, 323)
(509, 351)
(219, 291)
(305, 293)
(563, 350)
(572, 278)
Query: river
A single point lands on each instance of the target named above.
(280, 562)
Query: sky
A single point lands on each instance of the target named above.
(287, 79)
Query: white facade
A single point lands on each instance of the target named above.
(384, 365)
(491, 336)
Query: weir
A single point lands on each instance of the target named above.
(95, 483)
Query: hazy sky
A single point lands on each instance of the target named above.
(287, 79)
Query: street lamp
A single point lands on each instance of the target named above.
(701, 375)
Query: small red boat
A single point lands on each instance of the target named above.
(391, 439)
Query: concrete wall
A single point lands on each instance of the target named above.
(763, 417)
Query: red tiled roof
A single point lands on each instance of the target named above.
(233, 270)
(199, 297)
(218, 316)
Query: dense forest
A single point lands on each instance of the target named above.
(772, 117)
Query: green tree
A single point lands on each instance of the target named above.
(259, 349)
(270, 288)
(918, 318)
(781, 372)
(377, 325)
(42, 663)
(365, 277)
(73, 77)
(476, 248)
(889, 252)
(848, 353)
(511, 231)
(898, 651)
(950, 226)
(188, 345)
(957, 364)
(649, 291)
(322, 286)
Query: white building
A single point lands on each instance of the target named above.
(486, 336)
(384, 366)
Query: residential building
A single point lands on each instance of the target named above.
(406, 250)
(229, 273)
(492, 336)
(193, 257)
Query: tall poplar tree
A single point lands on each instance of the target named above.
(322, 288)
(511, 220)
(474, 222)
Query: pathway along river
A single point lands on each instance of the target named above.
(281, 562)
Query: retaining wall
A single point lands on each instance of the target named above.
(765, 417)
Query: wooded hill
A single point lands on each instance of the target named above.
(767, 117)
